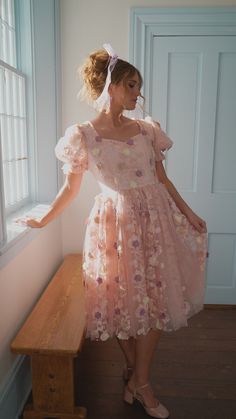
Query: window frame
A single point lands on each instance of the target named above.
(3, 232)
(43, 103)
(25, 200)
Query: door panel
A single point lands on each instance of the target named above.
(193, 95)
(188, 94)
(225, 148)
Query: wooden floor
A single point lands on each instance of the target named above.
(194, 372)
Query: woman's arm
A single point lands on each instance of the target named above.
(196, 221)
(64, 197)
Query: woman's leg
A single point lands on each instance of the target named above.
(139, 354)
(144, 350)
(128, 349)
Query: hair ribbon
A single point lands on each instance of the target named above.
(103, 101)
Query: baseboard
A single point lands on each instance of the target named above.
(220, 306)
(16, 389)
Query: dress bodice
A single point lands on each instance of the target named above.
(116, 164)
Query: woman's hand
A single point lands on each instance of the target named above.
(30, 222)
(64, 197)
(197, 222)
(193, 218)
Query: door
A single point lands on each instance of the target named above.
(193, 95)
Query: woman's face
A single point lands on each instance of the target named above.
(126, 94)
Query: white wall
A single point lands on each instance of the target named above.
(26, 267)
(21, 283)
(85, 26)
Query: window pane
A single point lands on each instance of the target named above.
(7, 32)
(14, 137)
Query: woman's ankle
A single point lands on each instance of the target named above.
(136, 382)
(141, 380)
(129, 364)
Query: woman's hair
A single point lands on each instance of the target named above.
(94, 72)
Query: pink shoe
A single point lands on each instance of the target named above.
(159, 411)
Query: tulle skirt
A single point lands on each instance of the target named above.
(143, 264)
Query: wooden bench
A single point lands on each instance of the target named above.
(52, 336)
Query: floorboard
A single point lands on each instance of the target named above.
(194, 372)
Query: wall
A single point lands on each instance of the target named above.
(85, 26)
(28, 265)
(22, 281)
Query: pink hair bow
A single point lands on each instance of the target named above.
(103, 101)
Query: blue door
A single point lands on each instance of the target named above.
(193, 95)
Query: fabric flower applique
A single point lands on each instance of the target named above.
(97, 315)
(138, 277)
(133, 184)
(99, 165)
(98, 138)
(71, 150)
(130, 141)
(126, 151)
(99, 280)
(117, 311)
(134, 242)
(153, 260)
(141, 311)
(125, 321)
(139, 173)
(96, 151)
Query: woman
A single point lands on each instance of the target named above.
(144, 250)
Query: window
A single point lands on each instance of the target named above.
(29, 108)
(13, 138)
(14, 157)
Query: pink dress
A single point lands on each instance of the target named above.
(143, 262)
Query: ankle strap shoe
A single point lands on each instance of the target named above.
(158, 411)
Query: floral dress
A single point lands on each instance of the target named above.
(143, 262)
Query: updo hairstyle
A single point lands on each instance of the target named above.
(94, 72)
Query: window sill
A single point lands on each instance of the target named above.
(18, 236)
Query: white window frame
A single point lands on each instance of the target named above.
(3, 232)
(17, 119)
(38, 57)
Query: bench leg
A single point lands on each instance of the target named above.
(53, 389)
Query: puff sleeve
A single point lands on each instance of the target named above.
(71, 150)
(161, 142)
